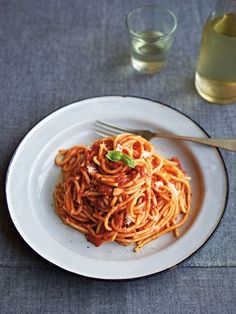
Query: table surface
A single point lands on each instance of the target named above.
(53, 53)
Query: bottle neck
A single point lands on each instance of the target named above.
(224, 6)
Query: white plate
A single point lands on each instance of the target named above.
(32, 175)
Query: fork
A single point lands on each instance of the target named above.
(107, 129)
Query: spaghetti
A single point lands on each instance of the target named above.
(135, 198)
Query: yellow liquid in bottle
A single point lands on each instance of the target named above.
(215, 78)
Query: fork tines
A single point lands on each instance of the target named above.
(107, 129)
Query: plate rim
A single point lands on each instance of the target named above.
(224, 206)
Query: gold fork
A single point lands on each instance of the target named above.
(107, 129)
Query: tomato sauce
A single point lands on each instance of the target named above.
(99, 203)
(140, 170)
(175, 159)
(136, 148)
(95, 240)
(155, 163)
(104, 189)
(88, 156)
(122, 179)
(118, 219)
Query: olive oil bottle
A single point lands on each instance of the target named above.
(215, 78)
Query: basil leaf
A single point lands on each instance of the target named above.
(128, 160)
(114, 155)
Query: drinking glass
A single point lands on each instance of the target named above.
(151, 29)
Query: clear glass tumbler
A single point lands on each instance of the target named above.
(151, 30)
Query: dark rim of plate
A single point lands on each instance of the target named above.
(132, 278)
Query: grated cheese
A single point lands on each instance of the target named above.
(155, 228)
(171, 185)
(91, 169)
(145, 154)
(119, 148)
(128, 221)
(158, 184)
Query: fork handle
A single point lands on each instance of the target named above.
(228, 144)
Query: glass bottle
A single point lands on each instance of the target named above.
(215, 77)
